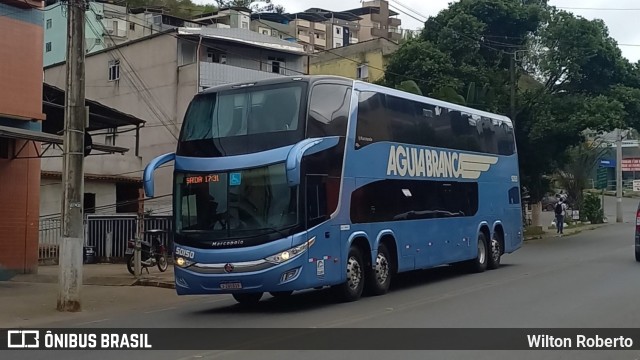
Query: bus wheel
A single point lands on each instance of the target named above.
(495, 253)
(479, 264)
(351, 290)
(248, 298)
(379, 278)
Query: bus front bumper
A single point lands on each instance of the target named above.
(256, 276)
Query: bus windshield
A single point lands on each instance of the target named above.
(242, 120)
(235, 204)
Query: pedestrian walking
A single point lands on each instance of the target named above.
(560, 210)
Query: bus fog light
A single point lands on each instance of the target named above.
(288, 275)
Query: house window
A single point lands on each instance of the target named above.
(114, 70)
(362, 72)
(187, 53)
(338, 30)
(132, 26)
(245, 25)
(98, 41)
(49, 23)
(48, 47)
(215, 56)
(89, 203)
(276, 65)
(265, 32)
(110, 137)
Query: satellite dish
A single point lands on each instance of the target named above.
(88, 143)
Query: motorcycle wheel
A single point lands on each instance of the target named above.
(162, 263)
(130, 265)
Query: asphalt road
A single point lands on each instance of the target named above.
(589, 280)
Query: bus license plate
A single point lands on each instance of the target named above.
(231, 286)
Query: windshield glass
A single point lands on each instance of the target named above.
(236, 204)
(245, 111)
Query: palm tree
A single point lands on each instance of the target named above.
(574, 175)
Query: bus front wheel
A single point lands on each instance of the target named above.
(248, 298)
(351, 290)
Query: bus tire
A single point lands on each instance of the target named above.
(495, 252)
(479, 264)
(380, 273)
(351, 290)
(637, 254)
(248, 298)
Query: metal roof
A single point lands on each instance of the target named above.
(30, 135)
(245, 36)
(100, 116)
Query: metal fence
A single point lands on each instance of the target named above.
(107, 234)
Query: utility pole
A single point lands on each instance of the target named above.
(512, 72)
(70, 262)
(619, 217)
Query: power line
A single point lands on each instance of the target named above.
(156, 108)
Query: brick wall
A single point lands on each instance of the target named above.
(21, 45)
(19, 212)
(21, 76)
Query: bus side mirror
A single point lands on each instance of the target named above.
(306, 147)
(151, 167)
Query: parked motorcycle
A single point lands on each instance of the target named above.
(152, 253)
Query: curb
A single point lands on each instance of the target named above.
(155, 283)
(578, 231)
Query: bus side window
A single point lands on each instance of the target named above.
(328, 110)
(316, 204)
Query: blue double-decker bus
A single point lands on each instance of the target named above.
(318, 181)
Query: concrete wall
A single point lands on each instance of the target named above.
(51, 196)
(155, 62)
(374, 53)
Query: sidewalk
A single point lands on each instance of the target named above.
(551, 233)
(102, 275)
(30, 300)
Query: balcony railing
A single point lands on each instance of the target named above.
(213, 74)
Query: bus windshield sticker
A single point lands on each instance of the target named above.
(235, 179)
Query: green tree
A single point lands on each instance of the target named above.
(575, 173)
(571, 75)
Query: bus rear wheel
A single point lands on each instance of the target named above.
(479, 264)
(351, 290)
(495, 252)
(248, 298)
(379, 277)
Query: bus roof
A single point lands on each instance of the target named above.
(361, 86)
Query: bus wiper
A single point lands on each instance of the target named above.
(281, 232)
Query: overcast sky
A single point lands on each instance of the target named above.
(621, 18)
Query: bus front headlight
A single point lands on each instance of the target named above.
(183, 263)
(291, 253)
